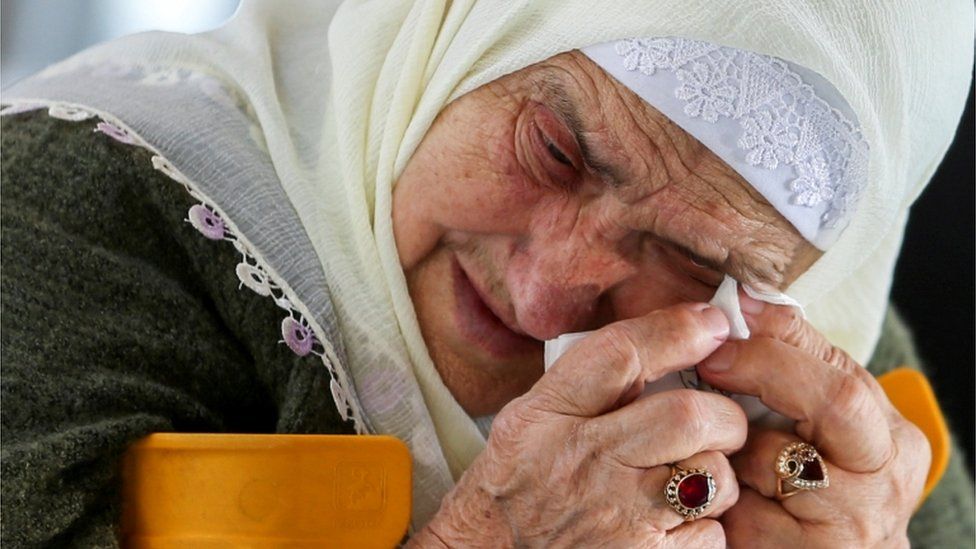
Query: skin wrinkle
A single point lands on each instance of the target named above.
(746, 210)
(558, 255)
(769, 248)
(691, 161)
(730, 262)
(555, 90)
(605, 172)
(752, 223)
(654, 147)
(484, 261)
(655, 150)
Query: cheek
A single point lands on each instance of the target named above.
(661, 279)
(484, 187)
(464, 180)
(656, 286)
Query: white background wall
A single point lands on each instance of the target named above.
(36, 33)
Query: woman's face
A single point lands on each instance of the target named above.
(555, 200)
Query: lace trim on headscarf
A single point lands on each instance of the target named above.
(781, 117)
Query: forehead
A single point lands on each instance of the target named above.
(675, 187)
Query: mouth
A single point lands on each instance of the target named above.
(479, 324)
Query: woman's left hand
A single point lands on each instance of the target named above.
(876, 460)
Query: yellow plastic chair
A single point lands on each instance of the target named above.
(262, 491)
(294, 491)
(912, 395)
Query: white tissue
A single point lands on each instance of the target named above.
(726, 299)
(556, 347)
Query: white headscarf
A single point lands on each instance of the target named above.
(343, 102)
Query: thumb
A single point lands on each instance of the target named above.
(596, 372)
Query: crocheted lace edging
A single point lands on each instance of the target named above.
(301, 335)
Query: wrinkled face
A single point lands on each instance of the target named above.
(555, 200)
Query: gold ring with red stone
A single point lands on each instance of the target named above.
(689, 491)
(799, 467)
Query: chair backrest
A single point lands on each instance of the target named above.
(230, 490)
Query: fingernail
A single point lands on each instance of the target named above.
(751, 306)
(716, 322)
(721, 360)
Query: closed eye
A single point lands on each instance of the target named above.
(558, 154)
(693, 265)
(701, 270)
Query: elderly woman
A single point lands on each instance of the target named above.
(416, 195)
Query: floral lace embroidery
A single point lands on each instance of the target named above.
(782, 119)
(708, 94)
(297, 332)
(769, 141)
(813, 186)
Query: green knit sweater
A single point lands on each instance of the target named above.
(117, 319)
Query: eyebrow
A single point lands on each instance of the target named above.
(713, 264)
(562, 103)
(743, 272)
(567, 109)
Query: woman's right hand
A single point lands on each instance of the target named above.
(577, 461)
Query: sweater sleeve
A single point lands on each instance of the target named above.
(946, 519)
(110, 329)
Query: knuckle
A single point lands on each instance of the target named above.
(758, 346)
(839, 359)
(900, 492)
(690, 412)
(915, 455)
(728, 424)
(681, 324)
(510, 422)
(794, 322)
(919, 443)
(717, 422)
(504, 427)
(798, 332)
(545, 399)
(732, 423)
(866, 530)
(621, 345)
(864, 375)
(683, 318)
(848, 399)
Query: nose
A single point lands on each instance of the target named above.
(556, 285)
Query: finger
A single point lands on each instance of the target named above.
(757, 522)
(593, 375)
(755, 467)
(660, 513)
(834, 409)
(667, 427)
(704, 533)
(850, 500)
(784, 323)
(915, 459)
(787, 324)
